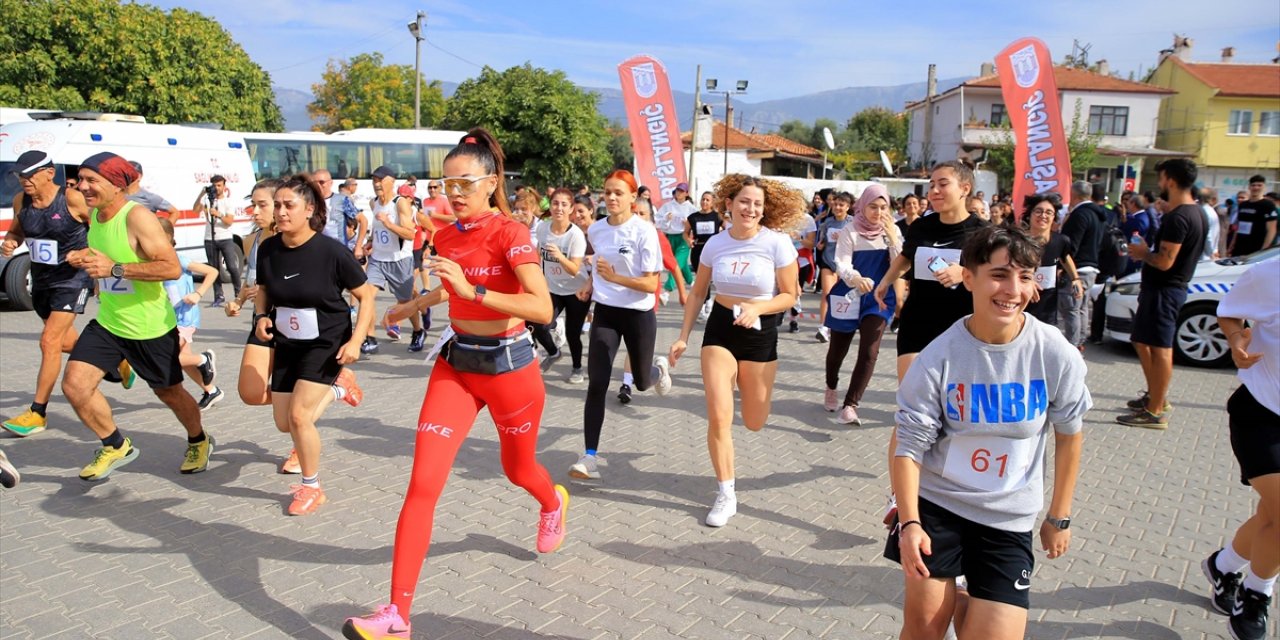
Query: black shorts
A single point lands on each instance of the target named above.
(1255, 435)
(69, 300)
(1157, 316)
(418, 255)
(259, 342)
(154, 360)
(313, 363)
(997, 564)
(745, 344)
(917, 330)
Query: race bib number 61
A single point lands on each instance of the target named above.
(989, 463)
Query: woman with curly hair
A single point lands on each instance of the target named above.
(753, 266)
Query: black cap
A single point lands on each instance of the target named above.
(383, 172)
(136, 166)
(32, 161)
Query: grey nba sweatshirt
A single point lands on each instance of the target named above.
(976, 416)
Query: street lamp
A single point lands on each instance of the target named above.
(415, 28)
(728, 94)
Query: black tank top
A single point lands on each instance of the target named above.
(43, 228)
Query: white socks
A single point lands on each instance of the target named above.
(628, 379)
(726, 488)
(1229, 561)
(1265, 586)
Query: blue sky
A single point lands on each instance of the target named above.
(784, 48)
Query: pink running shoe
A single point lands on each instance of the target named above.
(291, 464)
(551, 525)
(352, 393)
(306, 499)
(383, 624)
(829, 400)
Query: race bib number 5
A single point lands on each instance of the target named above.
(115, 286)
(989, 463)
(43, 251)
(297, 324)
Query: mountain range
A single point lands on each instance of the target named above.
(837, 104)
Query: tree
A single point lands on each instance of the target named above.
(364, 92)
(877, 129)
(796, 131)
(1082, 148)
(622, 155)
(171, 67)
(549, 128)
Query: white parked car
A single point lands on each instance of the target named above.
(1197, 338)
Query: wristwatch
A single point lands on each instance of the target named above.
(117, 271)
(480, 291)
(1061, 525)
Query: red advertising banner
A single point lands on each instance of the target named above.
(1042, 163)
(655, 127)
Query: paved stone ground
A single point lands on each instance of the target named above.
(154, 554)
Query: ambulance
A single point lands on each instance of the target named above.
(177, 163)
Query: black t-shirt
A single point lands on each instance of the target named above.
(312, 275)
(701, 231)
(1251, 225)
(929, 235)
(45, 228)
(1046, 308)
(1183, 226)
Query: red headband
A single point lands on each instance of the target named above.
(115, 169)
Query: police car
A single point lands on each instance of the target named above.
(1197, 338)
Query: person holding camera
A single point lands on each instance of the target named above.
(215, 202)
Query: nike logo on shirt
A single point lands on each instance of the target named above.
(1017, 584)
(292, 276)
(943, 244)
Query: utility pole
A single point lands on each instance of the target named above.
(693, 140)
(415, 28)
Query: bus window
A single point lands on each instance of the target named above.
(404, 159)
(278, 158)
(342, 159)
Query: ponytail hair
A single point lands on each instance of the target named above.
(307, 189)
(480, 145)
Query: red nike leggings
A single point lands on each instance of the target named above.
(452, 402)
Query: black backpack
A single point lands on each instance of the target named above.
(1113, 253)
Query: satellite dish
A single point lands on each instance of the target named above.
(884, 160)
(831, 140)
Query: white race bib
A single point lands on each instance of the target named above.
(989, 463)
(743, 275)
(833, 233)
(43, 251)
(382, 239)
(1047, 277)
(1244, 228)
(843, 308)
(297, 324)
(925, 255)
(115, 286)
(705, 228)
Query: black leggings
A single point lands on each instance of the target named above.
(872, 329)
(575, 314)
(217, 251)
(610, 327)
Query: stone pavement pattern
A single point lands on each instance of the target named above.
(151, 553)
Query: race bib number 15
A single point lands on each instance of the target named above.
(43, 251)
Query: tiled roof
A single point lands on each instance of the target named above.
(753, 141)
(1072, 79)
(1236, 80)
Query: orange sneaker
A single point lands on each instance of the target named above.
(305, 499)
(291, 464)
(346, 381)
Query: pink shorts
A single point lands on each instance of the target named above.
(187, 335)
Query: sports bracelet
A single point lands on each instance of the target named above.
(904, 525)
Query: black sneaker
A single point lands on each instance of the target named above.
(370, 345)
(209, 399)
(1249, 616)
(1226, 586)
(795, 327)
(208, 370)
(893, 326)
(418, 341)
(624, 394)
(426, 318)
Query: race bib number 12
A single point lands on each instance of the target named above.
(115, 286)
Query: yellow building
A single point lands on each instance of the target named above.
(1226, 114)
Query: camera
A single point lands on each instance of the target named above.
(211, 192)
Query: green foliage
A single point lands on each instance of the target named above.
(549, 128)
(621, 153)
(100, 55)
(1081, 145)
(858, 143)
(364, 92)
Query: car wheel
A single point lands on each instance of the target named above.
(17, 282)
(1197, 339)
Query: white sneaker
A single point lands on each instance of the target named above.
(577, 377)
(663, 383)
(557, 334)
(824, 334)
(725, 507)
(664, 297)
(586, 468)
(586, 327)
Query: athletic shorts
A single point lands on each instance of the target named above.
(997, 564)
(186, 335)
(1255, 435)
(744, 343)
(418, 256)
(1157, 316)
(394, 276)
(256, 341)
(312, 363)
(69, 300)
(917, 329)
(154, 360)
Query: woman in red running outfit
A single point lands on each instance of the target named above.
(492, 277)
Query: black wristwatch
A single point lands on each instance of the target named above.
(117, 271)
(1061, 525)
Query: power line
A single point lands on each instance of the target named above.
(450, 53)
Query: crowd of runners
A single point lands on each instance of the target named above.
(986, 303)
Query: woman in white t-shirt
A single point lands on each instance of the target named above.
(753, 266)
(623, 283)
(563, 246)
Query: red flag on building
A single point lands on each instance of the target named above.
(655, 128)
(1042, 162)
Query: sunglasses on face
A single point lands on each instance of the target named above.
(464, 186)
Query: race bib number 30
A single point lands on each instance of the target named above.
(989, 463)
(115, 286)
(43, 251)
(297, 324)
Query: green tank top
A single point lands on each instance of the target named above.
(129, 309)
